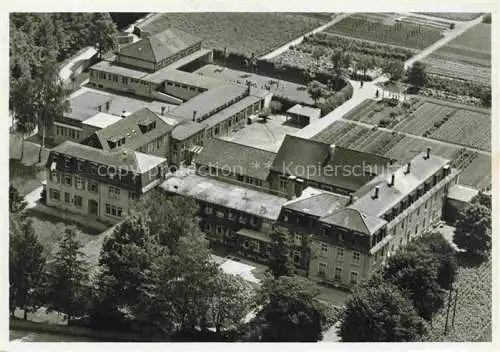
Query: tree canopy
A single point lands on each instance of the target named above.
(417, 75)
(379, 313)
(473, 230)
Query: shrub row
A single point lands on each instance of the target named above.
(336, 100)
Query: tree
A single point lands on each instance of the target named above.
(16, 202)
(280, 263)
(315, 90)
(441, 249)
(415, 272)
(483, 199)
(364, 63)
(102, 33)
(26, 263)
(318, 52)
(417, 76)
(473, 230)
(394, 69)
(68, 290)
(230, 302)
(379, 313)
(290, 311)
(340, 60)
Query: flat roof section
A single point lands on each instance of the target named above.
(109, 67)
(102, 120)
(225, 194)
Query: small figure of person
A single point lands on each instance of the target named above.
(361, 84)
(376, 94)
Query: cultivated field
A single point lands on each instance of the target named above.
(376, 53)
(389, 29)
(476, 168)
(456, 16)
(466, 57)
(473, 312)
(449, 122)
(246, 33)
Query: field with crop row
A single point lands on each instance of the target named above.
(456, 16)
(451, 67)
(383, 30)
(473, 312)
(476, 167)
(466, 57)
(424, 118)
(240, 32)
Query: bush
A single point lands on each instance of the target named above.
(276, 107)
(384, 122)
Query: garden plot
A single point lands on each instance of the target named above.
(466, 128)
(241, 32)
(388, 29)
(478, 172)
(427, 117)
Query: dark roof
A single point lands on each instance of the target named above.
(334, 165)
(129, 129)
(354, 220)
(317, 202)
(125, 158)
(421, 169)
(210, 100)
(241, 159)
(160, 46)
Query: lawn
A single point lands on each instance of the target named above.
(476, 168)
(473, 312)
(50, 230)
(243, 32)
(27, 174)
(384, 28)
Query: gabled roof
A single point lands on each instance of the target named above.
(129, 128)
(333, 165)
(404, 183)
(160, 46)
(125, 158)
(354, 220)
(241, 159)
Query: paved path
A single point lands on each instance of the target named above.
(299, 40)
(84, 54)
(460, 28)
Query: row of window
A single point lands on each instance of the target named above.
(231, 215)
(337, 276)
(79, 182)
(113, 210)
(67, 132)
(184, 86)
(55, 195)
(356, 256)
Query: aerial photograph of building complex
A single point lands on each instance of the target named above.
(250, 177)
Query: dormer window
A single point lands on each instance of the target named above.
(147, 126)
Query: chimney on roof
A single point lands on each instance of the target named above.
(428, 153)
(163, 110)
(194, 115)
(408, 168)
(393, 178)
(375, 192)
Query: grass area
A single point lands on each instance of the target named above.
(383, 28)
(476, 169)
(50, 230)
(26, 174)
(473, 312)
(242, 32)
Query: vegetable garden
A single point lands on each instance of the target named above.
(379, 29)
(241, 32)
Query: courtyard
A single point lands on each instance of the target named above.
(267, 135)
